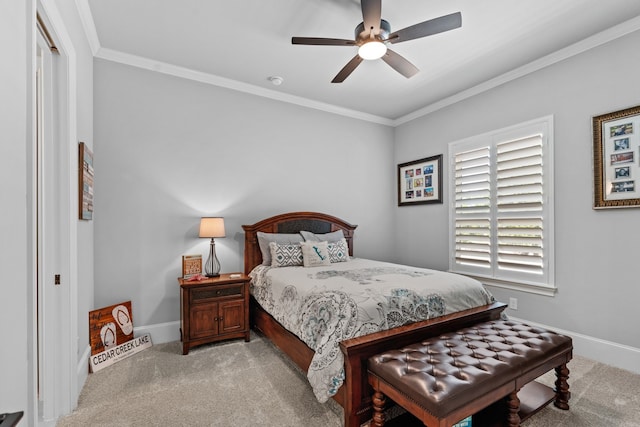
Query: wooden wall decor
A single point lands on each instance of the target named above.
(110, 326)
(85, 182)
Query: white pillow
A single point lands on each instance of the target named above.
(315, 254)
(332, 237)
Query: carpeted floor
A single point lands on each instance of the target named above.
(235, 383)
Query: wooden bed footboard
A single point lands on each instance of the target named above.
(354, 395)
(357, 351)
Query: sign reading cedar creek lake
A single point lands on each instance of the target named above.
(111, 336)
(122, 351)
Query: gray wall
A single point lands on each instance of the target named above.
(14, 291)
(596, 252)
(169, 150)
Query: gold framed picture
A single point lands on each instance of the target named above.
(616, 159)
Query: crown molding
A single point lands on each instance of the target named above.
(89, 26)
(86, 17)
(596, 40)
(199, 76)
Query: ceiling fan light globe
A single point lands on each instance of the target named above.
(372, 50)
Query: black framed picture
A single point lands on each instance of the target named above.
(420, 181)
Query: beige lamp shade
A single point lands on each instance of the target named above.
(212, 227)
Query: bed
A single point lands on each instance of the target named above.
(352, 391)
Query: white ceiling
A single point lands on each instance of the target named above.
(239, 44)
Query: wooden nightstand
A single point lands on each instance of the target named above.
(214, 309)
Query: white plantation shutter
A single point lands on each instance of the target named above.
(501, 218)
(473, 208)
(519, 203)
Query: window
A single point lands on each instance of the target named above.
(501, 215)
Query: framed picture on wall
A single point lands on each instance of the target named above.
(85, 182)
(420, 181)
(616, 158)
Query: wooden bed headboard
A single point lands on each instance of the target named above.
(292, 222)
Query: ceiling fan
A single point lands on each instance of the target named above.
(374, 34)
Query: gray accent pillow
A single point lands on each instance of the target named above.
(265, 238)
(286, 255)
(332, 237)
(338, 251)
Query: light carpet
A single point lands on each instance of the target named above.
(247, 384)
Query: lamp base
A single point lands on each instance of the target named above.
(212, 267)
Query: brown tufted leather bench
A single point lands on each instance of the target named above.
(444, 379)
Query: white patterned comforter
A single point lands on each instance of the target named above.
(325, 305)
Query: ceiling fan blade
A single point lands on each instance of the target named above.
(427, 28)
(372, 14)
(322, 41)
(347, 69)
(400, 64)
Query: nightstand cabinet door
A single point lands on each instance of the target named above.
(203, 320)
(232, 317)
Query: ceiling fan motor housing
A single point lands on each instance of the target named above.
(363, 35)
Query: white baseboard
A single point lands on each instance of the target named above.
(607, 352)
(82, 372)
(160, 332)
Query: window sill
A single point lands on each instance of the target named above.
(548, 291)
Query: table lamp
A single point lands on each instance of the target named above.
(212, 227)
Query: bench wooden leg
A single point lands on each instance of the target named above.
(513, 405)
(562, 387)
(379, 400)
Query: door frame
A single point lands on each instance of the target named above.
(59, 304)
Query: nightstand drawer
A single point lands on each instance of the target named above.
(205, 294)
